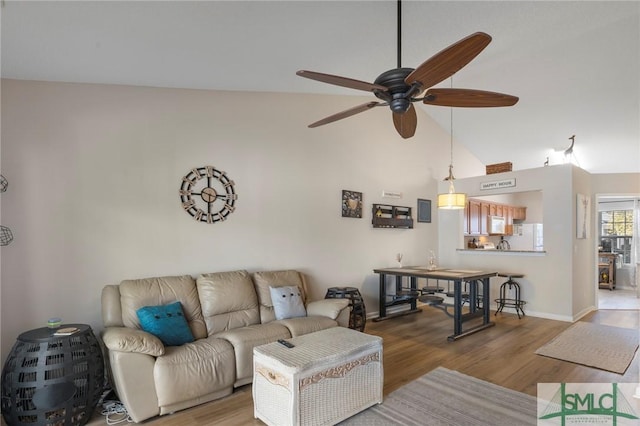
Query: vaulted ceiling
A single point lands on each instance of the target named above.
(574, 65)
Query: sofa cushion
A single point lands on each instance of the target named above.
(287, 302)
(122, 339)
(228, 300)
(167, 323)
(331, 308)
(135, 294)
(265, 279)
(245, 339)
(305, 325)
(193, 370)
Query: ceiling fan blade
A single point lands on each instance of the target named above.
(468, 98)
(341, 81)
(346, 113)
(447, 62)
(406, 123)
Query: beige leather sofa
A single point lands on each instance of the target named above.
(228, 313)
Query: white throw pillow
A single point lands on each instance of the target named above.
(287, 302)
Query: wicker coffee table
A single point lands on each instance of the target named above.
(326, 377)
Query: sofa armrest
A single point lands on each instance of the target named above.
(123, 339)
(327, 307)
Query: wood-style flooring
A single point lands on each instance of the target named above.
(416, 344)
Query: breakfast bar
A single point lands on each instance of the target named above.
(478, 294)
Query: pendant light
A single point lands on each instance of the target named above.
(452, 200)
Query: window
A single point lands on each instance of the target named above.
(616, 231)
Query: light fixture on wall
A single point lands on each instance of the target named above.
(451, 200)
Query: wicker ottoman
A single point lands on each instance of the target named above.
(327, 377)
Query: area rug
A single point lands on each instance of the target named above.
(445, 397)
(601, 346)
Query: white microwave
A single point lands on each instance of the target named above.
(497, 225)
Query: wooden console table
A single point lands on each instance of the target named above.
(479, 302)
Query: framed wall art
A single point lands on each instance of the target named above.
(583, 216)
(351, 204)
(424, 210)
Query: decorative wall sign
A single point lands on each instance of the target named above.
(583, 210)
(207, 194)
(391, 194)
(351, 204)
(506, 183)
(424, 210)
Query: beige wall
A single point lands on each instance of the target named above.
(94, 174)
(546, 286)
(616, 183)
(561, 284)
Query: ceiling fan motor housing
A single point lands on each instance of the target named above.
(397, 91)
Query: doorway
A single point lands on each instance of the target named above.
(617, 234)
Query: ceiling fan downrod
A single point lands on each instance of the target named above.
(399, 38)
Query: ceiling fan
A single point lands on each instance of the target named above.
(398, 88)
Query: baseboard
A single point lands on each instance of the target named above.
(584, 312)
(624, 287)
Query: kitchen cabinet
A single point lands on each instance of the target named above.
(519, 213)
(484, 218)
(496, 209)
(508, 215)
(465, 217)
(477, 212)
(474, 221)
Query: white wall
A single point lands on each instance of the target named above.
(547, 285)
(561, 284)
(584, 263)
(93, 199)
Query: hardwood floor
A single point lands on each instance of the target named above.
(416, 344)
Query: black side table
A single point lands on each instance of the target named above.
(358, 316)
(52, 380)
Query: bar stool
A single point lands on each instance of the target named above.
(515, 302)
(358, 316)
(432, 289)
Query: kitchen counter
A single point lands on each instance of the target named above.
(502, 252)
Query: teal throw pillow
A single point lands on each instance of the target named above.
(166, 323)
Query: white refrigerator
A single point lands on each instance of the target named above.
(527, 236)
